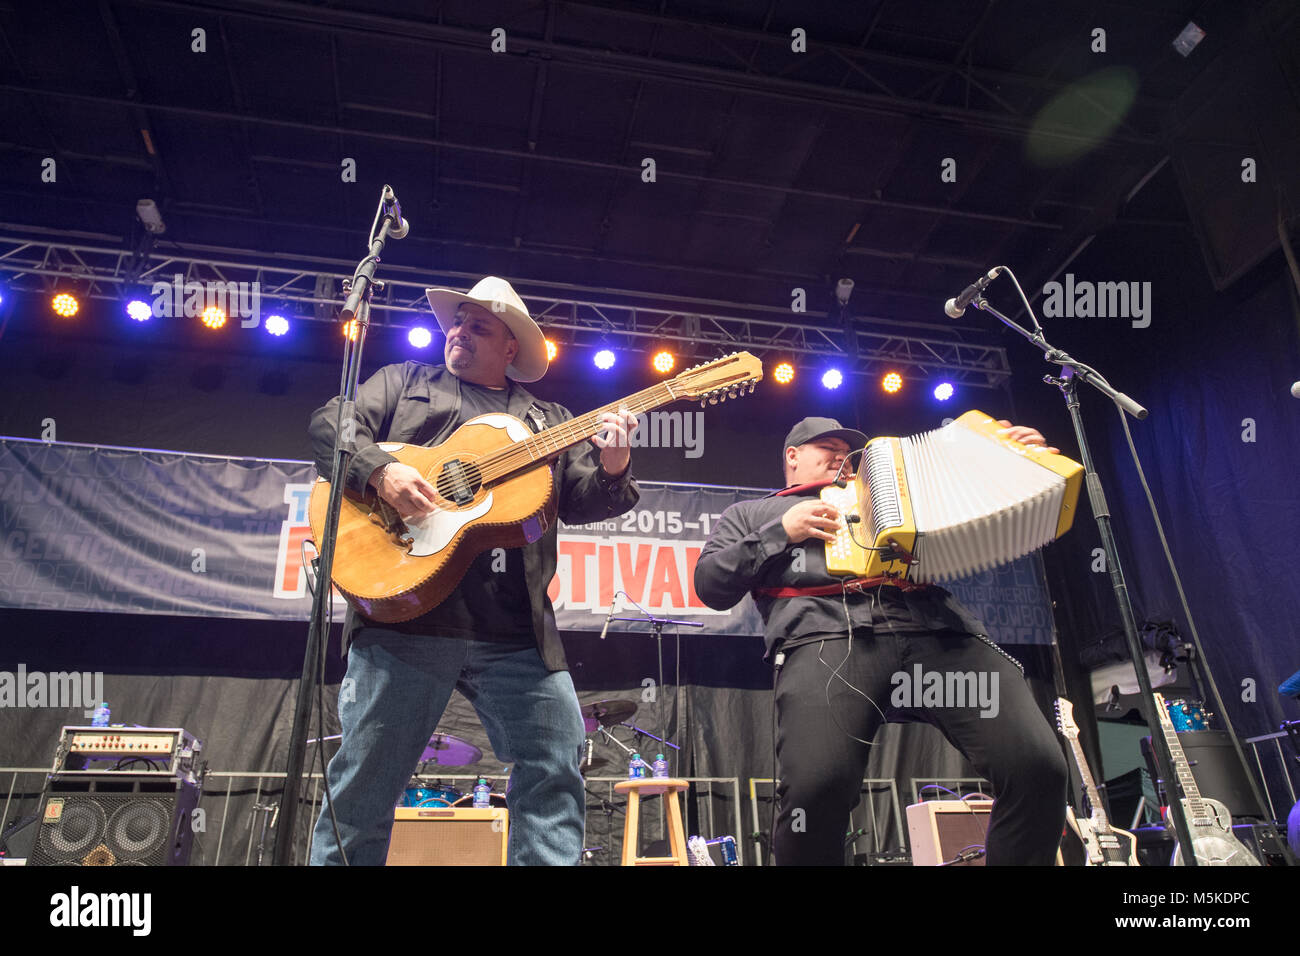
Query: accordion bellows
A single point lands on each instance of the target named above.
(950, 502)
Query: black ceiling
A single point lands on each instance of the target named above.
(774, 168)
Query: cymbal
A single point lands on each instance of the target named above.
(607, 713)
(448, 751)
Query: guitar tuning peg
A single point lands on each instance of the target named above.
(752, 386)
(703, 402)
(713, 399)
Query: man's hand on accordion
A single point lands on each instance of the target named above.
(1026, 435)
(811, 519)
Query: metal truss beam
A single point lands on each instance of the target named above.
(575, 316)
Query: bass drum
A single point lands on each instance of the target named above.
(429, 797)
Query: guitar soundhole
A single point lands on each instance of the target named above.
(459, 481)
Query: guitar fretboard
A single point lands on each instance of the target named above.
(553, 441)
(1181, 768)
(1089, 787)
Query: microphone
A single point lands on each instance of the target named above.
(393, 209)
(613, 609)
(957, 307)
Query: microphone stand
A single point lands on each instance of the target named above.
(355, 307)
(1071, 370)
(658, 624)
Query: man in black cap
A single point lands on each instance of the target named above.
(836, 649)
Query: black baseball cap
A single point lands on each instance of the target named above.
(810, 429)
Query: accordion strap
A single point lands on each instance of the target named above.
(851, 584)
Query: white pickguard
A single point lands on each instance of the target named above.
(434, 532)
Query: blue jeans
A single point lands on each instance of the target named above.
(397, 687)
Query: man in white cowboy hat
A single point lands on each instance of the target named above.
(495, 637)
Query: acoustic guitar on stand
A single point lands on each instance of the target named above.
(1209, 822)
(495, 489)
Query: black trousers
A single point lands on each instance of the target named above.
(826, 692)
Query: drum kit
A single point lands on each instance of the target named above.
(1186, 715)
(446, 750)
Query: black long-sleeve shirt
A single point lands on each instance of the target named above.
(749, 549)
(420, 404)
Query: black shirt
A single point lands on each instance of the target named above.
(749, 550)
(491, 603)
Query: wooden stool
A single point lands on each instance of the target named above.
(669, 787)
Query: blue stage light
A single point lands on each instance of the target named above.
(277, 325)
(139, 310)
(604, 360)
(420, 337)
(832, 378)
(943, 391)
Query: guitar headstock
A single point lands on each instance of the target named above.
(1065, 719)
(718, 380)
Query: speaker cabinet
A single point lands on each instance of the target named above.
(941, 829)
(449, 836)
(1215, 768)
(115, 820)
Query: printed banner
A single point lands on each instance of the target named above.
(84, 528)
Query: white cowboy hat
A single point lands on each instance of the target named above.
(502, 301)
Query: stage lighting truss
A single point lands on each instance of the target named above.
(582, 317)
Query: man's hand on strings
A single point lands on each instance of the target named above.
(613, 440)
(405, 489)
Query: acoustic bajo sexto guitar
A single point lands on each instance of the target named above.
(495, 490)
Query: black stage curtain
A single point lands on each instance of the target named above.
(232, 683)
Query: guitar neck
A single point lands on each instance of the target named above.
(1089, 787)
(553, 441)
(1181, 768)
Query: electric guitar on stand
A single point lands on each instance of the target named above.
(1103, 844)
(1208, 821)
(495, 489)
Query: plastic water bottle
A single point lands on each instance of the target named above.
(635, 768)
(482, 794)
(660, 766)
(100, 719)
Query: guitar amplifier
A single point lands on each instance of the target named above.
(115, 820)
(1266, 841)
(1215, 768)
(941, 830)
(449, 836)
